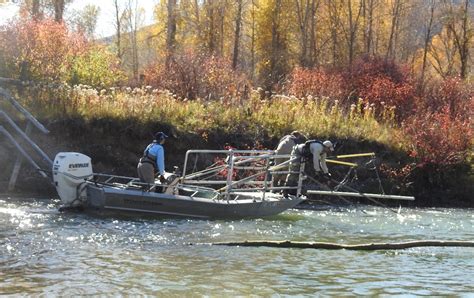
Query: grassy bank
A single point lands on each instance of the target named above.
(114, 125)
(275, 116)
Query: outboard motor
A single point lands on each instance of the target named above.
(70, 170)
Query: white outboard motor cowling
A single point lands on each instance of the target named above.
(70, 170)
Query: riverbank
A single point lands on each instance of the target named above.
(115, 146)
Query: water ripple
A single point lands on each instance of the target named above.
(44, 252)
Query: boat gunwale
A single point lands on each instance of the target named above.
(109, 189)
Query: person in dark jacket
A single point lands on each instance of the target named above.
(314, 149)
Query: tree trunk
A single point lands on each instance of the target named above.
(427, 42)
(35, 10)
(301, 12)
(238, 24)
(353, 27)
(274, 56)
(464, 45)
(171, 30)
(197, 15)
(461, 39)
(58, 10)
(306, 13)
(252, 43)
(369, 6)
(211, 36)
(132, 33)
(221, 11)
(118, 28)
(350, 41)
(393, 27)
(335, 24)
(312, 37)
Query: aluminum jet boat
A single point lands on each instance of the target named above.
(215, 184)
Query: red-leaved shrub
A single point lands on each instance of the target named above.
(377, 81)
(191, 75)
(451, 94)
(439, 139)
(441, 128)
(316, 82)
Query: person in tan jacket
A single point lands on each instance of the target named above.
(285, 146)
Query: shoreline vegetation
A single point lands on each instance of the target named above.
(407, 97)
(113, 125)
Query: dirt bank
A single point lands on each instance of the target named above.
(116, 145)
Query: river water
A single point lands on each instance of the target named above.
(44, 252)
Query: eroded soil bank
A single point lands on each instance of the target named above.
(116, 145)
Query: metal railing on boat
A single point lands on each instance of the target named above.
(257, 163)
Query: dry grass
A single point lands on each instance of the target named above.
(277, 115)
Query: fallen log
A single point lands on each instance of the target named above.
(366, 246)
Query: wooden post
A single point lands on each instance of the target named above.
(18, 162)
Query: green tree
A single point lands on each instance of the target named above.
(97, 67)
(85, 20)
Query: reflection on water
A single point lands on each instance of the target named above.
(43, 251)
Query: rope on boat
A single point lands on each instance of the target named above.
(366, 246)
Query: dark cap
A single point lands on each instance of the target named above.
(159, 136)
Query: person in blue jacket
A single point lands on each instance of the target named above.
(153, 160)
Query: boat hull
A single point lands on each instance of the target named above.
(105, 198)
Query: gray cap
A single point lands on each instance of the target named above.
(328, 144)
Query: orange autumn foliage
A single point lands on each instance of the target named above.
(39, 50)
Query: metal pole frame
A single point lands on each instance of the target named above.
(18, 147)
(31, 121)
(232, 163)
(230, 172)
(7, 95)
(25, 136)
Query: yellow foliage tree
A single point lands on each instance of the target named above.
(274, 31)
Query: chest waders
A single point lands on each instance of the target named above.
(148, 158)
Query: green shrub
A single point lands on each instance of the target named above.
(96, 67)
